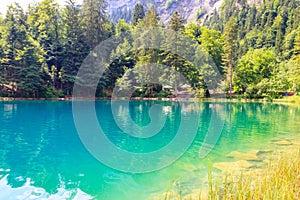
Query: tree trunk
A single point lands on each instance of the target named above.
(230, 81)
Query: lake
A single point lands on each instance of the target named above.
(42, 155)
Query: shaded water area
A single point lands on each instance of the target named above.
(42, 156)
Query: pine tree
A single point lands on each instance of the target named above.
(151, 18)
(250, 22)
(44, 26)
(22, 59)
(175, 63)
(294, 66)
(138, 13)
(94, 19)
(145, 34)
(143, 31)
(230, 49)
(122, 26)
(117, 68)
(75, 48)
(176, 22)
(280, 28)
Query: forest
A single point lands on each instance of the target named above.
(256, 48)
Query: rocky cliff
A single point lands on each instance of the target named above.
(191, 10)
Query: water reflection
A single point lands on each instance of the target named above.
(9, 110)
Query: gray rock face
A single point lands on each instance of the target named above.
(191, 10)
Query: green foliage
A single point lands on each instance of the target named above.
(120, 66)
(42, 50)
(146, 56)
(254, 73)
(21, 61)
(50, 92)
(176, 64)
(193, 31)
(255, 47)
(122, 26)
(212, 42)
(270, 25)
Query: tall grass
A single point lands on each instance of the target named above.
(279, 180)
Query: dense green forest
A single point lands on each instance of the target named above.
(255, 47)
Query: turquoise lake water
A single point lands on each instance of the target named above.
(42, 156)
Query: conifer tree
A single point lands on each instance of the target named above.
(138, 13)
(175, 63)
(75, 47)
(94, 19)
(230, 49)
(21, 61)
(44, 26)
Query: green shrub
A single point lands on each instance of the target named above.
(163, 94)
(252, 93)
(50, 92)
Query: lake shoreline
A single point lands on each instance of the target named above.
(284, 100)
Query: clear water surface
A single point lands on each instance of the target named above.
(42, 157)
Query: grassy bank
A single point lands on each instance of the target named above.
(280, 179)
(291, 99)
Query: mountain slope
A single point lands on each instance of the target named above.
(191, 10)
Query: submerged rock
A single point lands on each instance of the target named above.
(264, 151)
(283, 143)
(244, 156)
(233, 166)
